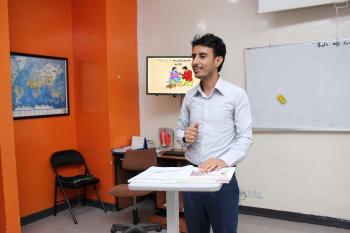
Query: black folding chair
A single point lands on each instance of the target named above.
(65, 158)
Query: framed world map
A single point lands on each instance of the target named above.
(39, 86)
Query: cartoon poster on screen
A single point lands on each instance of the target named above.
(177, 78)
(170, 75)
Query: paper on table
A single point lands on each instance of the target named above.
(222, 175)
(163, 174)
(163, 149)
(186, 174)
(121, 149)
(137, 142)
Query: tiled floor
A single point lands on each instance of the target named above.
(92, 220)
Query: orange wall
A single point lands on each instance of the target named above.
(2, 200)
(90, 58)
(99, 39)
(41, 27)
(122, 71)
(104, 50)
(9, 213)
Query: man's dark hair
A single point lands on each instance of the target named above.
(185, 67)
(211, 41)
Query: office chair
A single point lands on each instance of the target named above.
(135, 160)
(68, 158)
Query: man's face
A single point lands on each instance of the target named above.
(204, 64)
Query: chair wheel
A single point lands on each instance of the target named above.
(159, 228)
(113, 229)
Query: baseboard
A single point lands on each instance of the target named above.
(277, 214)
(295, 217)
(61, 207)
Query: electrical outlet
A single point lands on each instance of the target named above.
(251, 193)
(244, 194)
(258, 195)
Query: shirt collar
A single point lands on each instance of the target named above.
(219, 86)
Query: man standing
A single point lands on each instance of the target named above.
(215, 126)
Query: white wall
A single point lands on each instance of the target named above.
(304, 172)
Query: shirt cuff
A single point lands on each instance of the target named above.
(181, 141)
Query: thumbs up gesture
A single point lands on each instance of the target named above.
(191, 133)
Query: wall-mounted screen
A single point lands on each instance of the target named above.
(169, 75)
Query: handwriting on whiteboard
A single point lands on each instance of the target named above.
(335, 43)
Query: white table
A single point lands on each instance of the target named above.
(172, 197)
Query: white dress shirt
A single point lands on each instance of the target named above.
(224, 123)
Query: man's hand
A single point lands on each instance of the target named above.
(212, 164)
(191, 133)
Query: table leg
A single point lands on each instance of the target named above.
(172, 211)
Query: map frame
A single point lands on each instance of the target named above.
(36, 113)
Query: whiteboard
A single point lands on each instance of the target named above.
(313, 80)
(280, 5)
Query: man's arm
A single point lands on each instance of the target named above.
(243, 139)
(185, 135)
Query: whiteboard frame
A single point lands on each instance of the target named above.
(268, 6)
(301, 129)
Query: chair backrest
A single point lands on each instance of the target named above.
(139, 160)
(66, 157)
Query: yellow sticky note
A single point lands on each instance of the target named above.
(281, 99)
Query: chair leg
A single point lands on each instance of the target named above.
(151, 227)
(98, 196)
(135, 215)
(70, 208)
(120, 227)
(84, 196)
(113, 229)
(55, 201)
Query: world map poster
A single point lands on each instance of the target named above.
(39, 86)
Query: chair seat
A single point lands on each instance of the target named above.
(122, 190)
(78, 181)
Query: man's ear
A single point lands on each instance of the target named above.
(218, 61)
